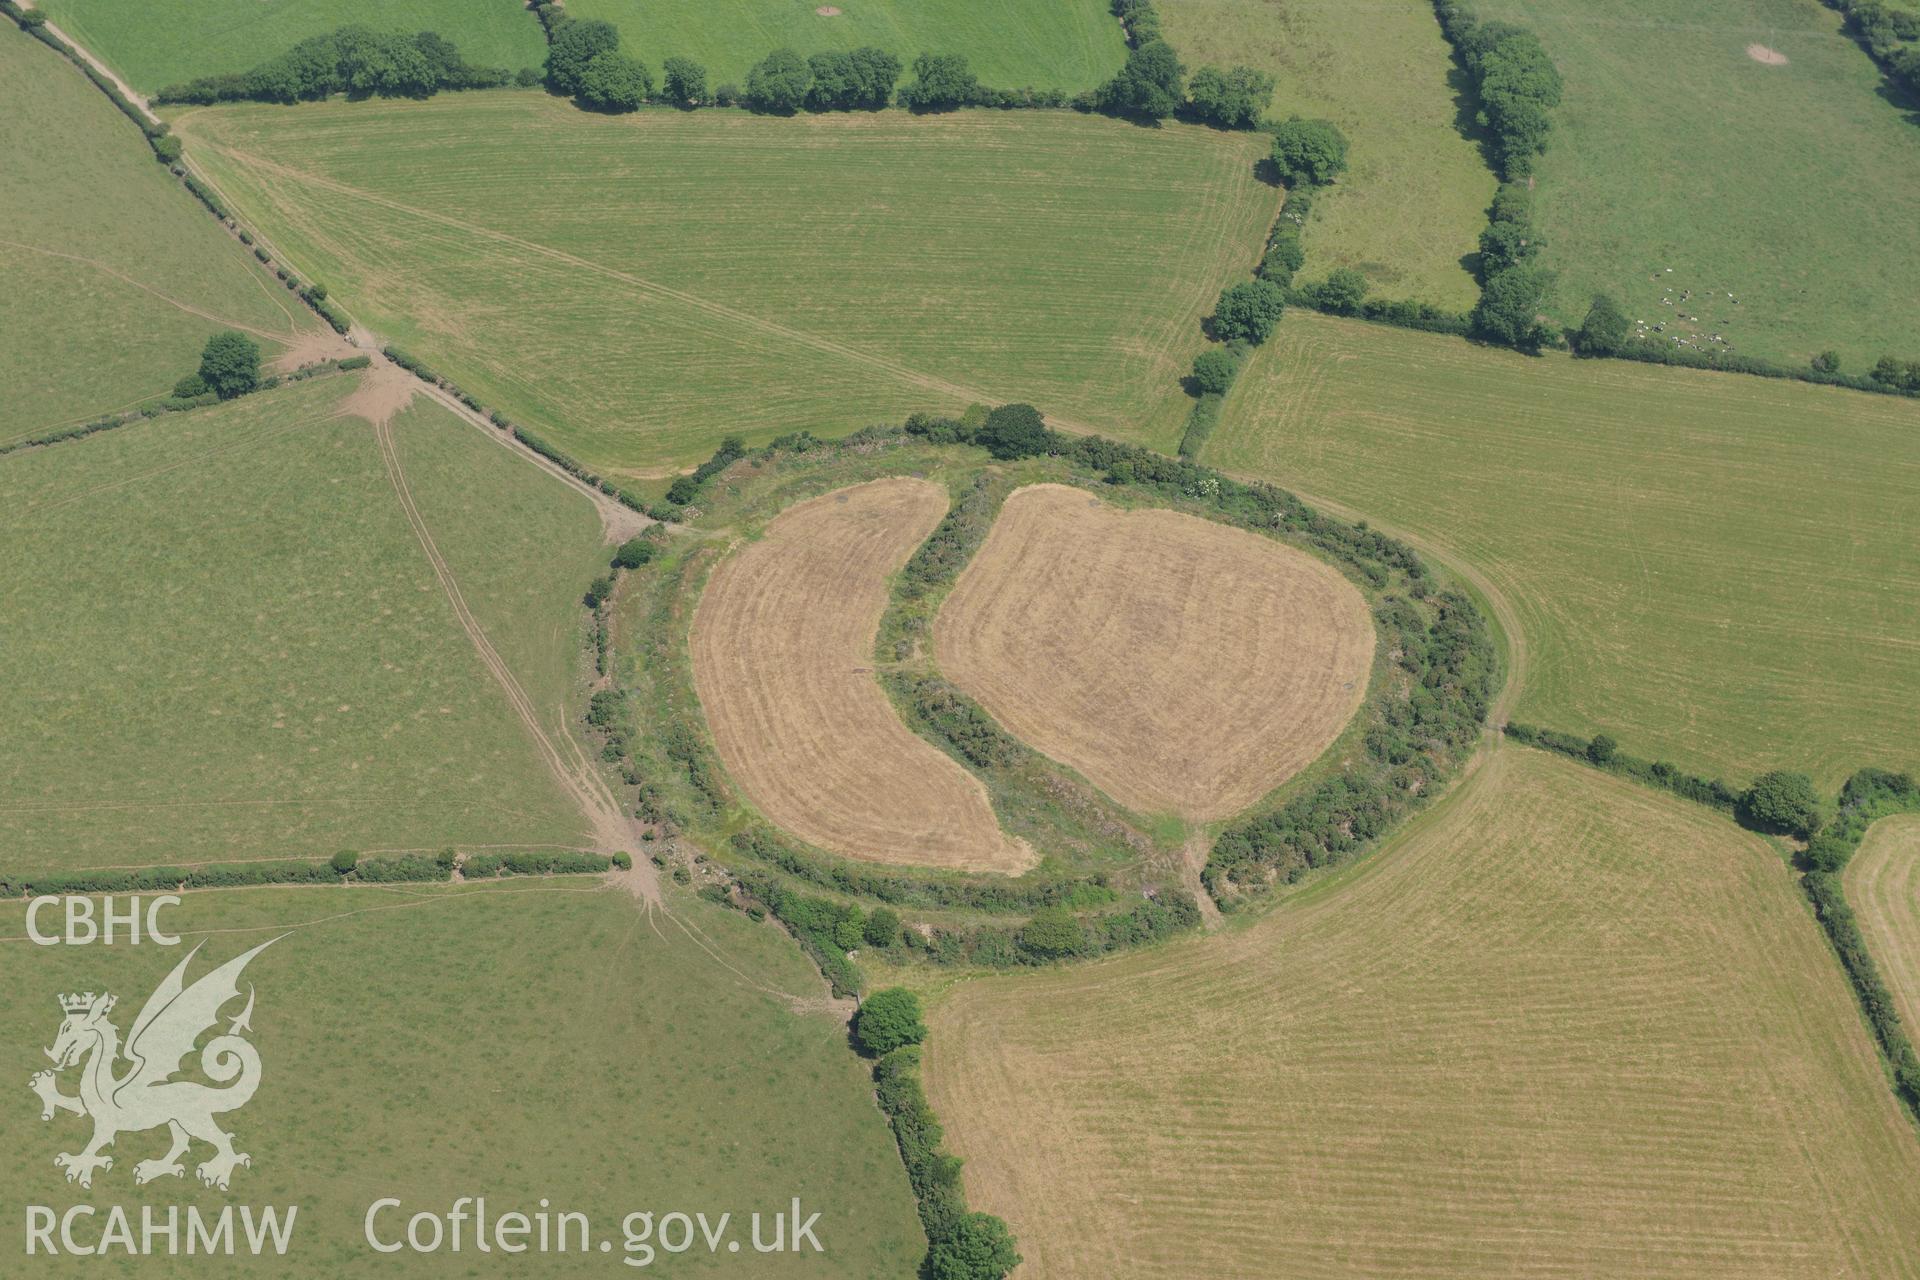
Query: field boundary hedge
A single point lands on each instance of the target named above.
(345, 867)
(1869, 795)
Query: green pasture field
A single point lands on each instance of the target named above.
(223, 640)
(111, 277)
(1563, 1025)
(546, 1038)
(1717, 569)
(1681, 165)
(637, 287)
(1010, 44)
(156, 43)
(1412, 205)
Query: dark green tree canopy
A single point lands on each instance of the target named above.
(1507, 244)
(1248, 311)
(1151, 86)
(1782, 801)
(230, 364)
(1605, 330)
(1232, 99)
(1013, 431)
(1509, 308)
(977, 1247)
(941, 82)
(615, 82)
(1309, 152)
(889, 1019)
(684, 82)
(1214, 370)
(1341, 292)
(860, 80)
(1053, 933)
(575, 44)
(779, 82)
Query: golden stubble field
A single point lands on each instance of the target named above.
(1882, 882)
(783, 662)
(1564, 1027)
(1181, 665)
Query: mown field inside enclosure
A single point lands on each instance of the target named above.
(782, 648)
(224, 640)
(111, 277)
(1718, 570)
(637, 287)
(1563, 1026)
(1184, 667)
(1010, 44)
(542, 1042)
(156, 43)
(1883, 886)
(1717, 193)
(1411, 206)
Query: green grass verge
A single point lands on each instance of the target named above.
(634, 288)
(534, 1039)
(1065, 44)
(155, 43)
(111, 279)
(1412, 205)
(226, 642)
(1788, 186)
(1718, 570)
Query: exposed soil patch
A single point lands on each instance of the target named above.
(384, 390)
(1766, 57)
(827, 11)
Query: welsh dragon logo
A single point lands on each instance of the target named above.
(145, 1095)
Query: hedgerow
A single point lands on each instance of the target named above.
(950, 891)
(353, 60)
(1712, 792)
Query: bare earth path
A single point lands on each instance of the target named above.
(569, 765)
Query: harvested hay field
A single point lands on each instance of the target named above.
(727, 273)
(1181, 665)
(782, 658)
(1565, 1026)
(1882, 881)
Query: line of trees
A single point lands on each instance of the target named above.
(1891, 37)
(354, 60)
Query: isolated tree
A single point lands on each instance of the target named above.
(615, 82)
(1309, 152)
(684, 82)
(1782, 801)
(1605, 330)
(1248, 311)
(1013, 431)
(575, 43)
(230, 364)
(1214, 370)
(779, 82)
(882, 928)
(1284, 257)
(941, 82)
(976, 1247)
(889, 1019)
(1341, 292)
(1509, 309)
(1232, 99)
(635, 552)
(1053, 933)
(1151, 86)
